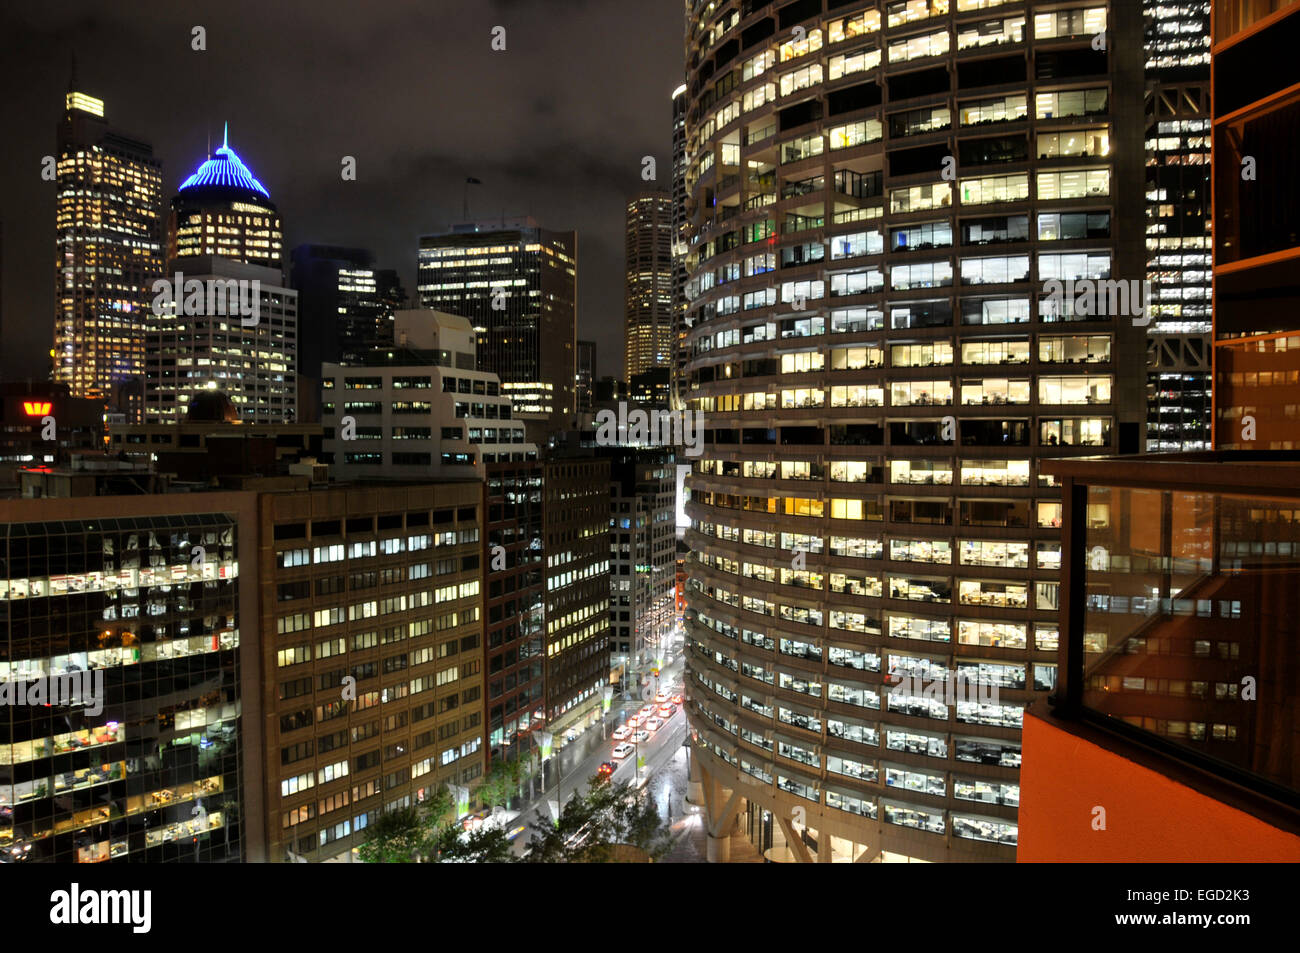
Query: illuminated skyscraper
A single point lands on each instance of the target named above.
(648, 289)
(880, 196)
(223, 210)
(108, 246)
(226, 322)
(1177, 41)
(518, 284)
(679, 246)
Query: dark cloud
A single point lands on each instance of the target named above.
(555, 126)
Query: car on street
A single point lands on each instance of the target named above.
(606, 769)
(661, 697)
(641, 737)
(621, 733)
(635, 721)
(653, 723)
(677, 699)
(646, 710)
(622, 750)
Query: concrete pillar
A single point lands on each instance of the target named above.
(825, 848)
(718, 849)
(694, 786)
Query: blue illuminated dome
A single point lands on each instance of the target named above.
(224, 170)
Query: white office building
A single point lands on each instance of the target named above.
(220, 324)
(419, 409)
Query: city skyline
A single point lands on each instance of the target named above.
(947, 508)
(294, 124)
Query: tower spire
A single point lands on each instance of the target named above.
(225, 135)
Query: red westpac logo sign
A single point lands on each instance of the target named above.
(36, 408)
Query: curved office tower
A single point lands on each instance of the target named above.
(879, 196)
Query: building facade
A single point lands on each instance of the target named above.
(585, 378)
(375, 670)
(346, 308)
(679, 246)
(515, 606)
(1256, 250)
(648, 284)
(132, 607)
(886, 206)
(518, 286)
(642, 554)
(419, 409)
(236, 331)
(575, 530)
(108, 251)
(1177, 42)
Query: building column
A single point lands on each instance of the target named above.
(694, 786)
(721, 817)
(718, 849)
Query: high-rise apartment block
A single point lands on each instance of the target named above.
(517, 283)
(648, 288)
(899, 216)
(108, 251)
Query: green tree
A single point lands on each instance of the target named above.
(487, 845)
(429, 833)
(591, 826)
(409, 834)
(499, 784)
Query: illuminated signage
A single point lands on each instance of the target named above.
(34, 408)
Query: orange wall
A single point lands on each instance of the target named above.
(1149, 818)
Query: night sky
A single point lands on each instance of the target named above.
(555, 126)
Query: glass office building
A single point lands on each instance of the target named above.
(518, 285)
(139, 615)
(880, 199)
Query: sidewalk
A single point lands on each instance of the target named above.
(690, 838)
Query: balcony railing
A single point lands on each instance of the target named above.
(1180, 609)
